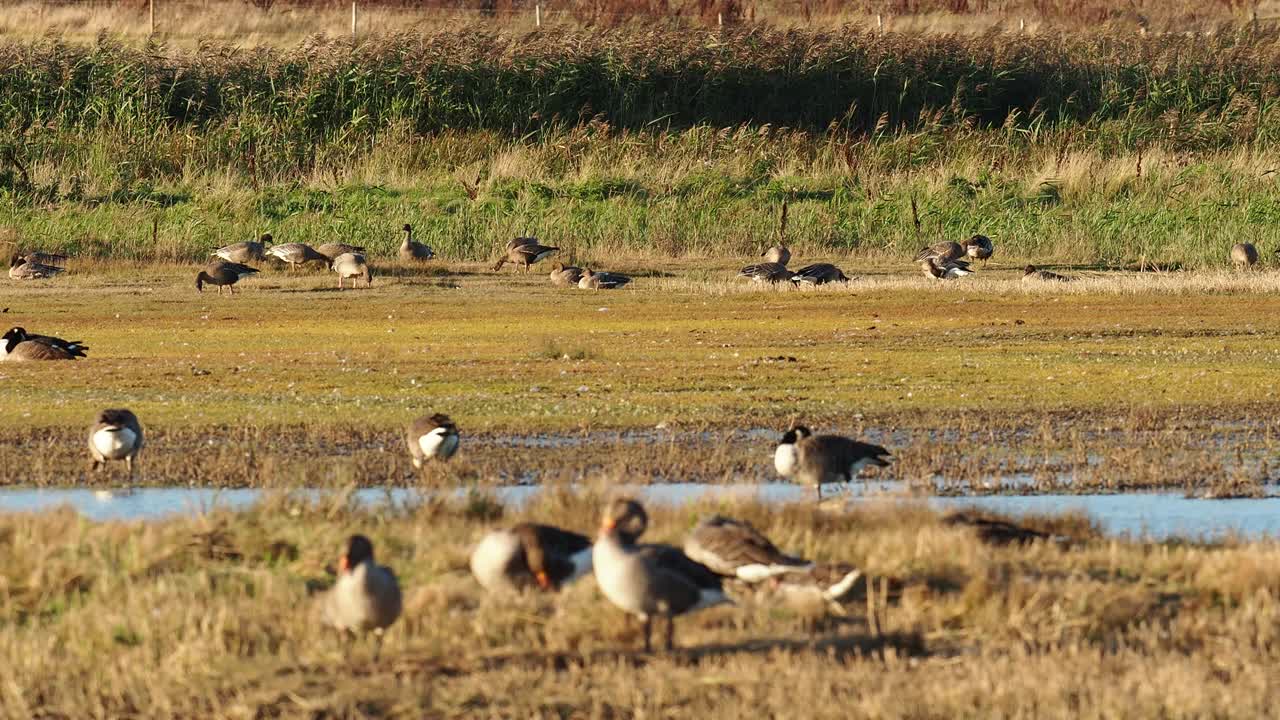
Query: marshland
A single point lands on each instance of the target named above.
(674, 153)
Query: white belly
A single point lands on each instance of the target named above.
(784, 460)
(438, 443)
(492, 557)
(114, 444)
(613, 568)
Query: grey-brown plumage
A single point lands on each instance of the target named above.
(1244, 254)
(768, 272)
(824, 584)
(117, 435)
(944, 252)
(979, 247)
(530, 555)
(411, 250)
(514, 243)
(937, 270)
(777, 254)
(18, 345)
(222, 274)
(565, 276)
(366, 597)
(351, 266)
(736, 549)
(243, 252)
(22, 269)
(590, 280)
(334, 249)
(819, 459)
(44, 258)
(431, 437)
(819, 274)
(995, 531)
(1033, 274)
(296, 254)
(525, 255)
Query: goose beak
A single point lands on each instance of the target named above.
(343, 564)
(544, 582)
(607, 525)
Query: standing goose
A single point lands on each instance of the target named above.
(514, 243)
(819, 274)
(562, 276)
(432, 436)
(22, 269)
(649, 580)
(223, 274)
(295, 254)
(1242, 255)
(17, 345)
(979, 247)
(601, 281)
(777, 254)
(769, 272)
(944, 252)
(945, 271)
(352, 265)
(243, 252)
(412, 250)
(366, 596)
(527, 555)
(526, 255)
(117, 435)
(1033, 274)
(817, 459)
(735, 549)
(334, 249)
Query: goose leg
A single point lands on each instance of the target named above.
(128, 464)
(648, 629)
(671, 632)
(377, 645)
(231, 289)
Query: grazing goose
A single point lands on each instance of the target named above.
(819, 274)
(1242, 254)
(526, 255)
(601, 281)
(411, 250)
(769, 272)
(44, 258)
(23, 269)
(649, 580)
(366, 596)
(945, 271)
(243, 252)
(1033, 274)
(352, 265)
(944, 252)
(432, 436)
(333, 250)
(735, 549)
(295, 254)
(117, 435)
(817, 459)
(777, 254)
(223, 274)
(563, 276)
(979, 247)
(17, 345)
(527, 555)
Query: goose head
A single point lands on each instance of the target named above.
(12, 338)
(266, 239)
(624, 518)
(1029, 270)
(359, 551)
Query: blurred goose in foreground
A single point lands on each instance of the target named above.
(295, 254)
(22, 269)
(432, 437)
(17, 344)
(412, 250)
(769, 272)
(223, 274)
(525, 255)
(1033, 274)
(352, 265)
(117, 435)
(979, 247)
(777, 254)
(1244, 254)
(819, 274)
(601, 281)
(735, 549)
(649, 580)
(366, 596)
(817, 459)
(565, 276)
(530, 555)
(334, 249)
(945, 271)
(243, 252)
(944, 252)
(828, 584)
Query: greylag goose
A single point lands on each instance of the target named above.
(352, 265)
(818, 459)
(223, 274)
(23, 269)
(769, 272)
(517, 242)
(432, 436)
(735, 549)
(295, 254)
(950, 270)
(1244, 254)
(366, 596)
(979, 247)
(525, 255)
(562, 276)
(601, 281)
(944, 252)
(819, 274)
(117, 435)
(827, 584)
(1033, 274)
(334, 249)
(649, 580)
(243, 252)
(530, 555)
(412, 250)
(777, 254)
(44, 258)
(17, 344)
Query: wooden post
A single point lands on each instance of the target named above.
(353, 22)
(880, 23)
(537, 15)
(720, 19)
(1022, 25)
(151, 8)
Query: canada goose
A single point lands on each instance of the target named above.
(819, 274)
(352, 265)
(601, 281)
(1242, 254)
(979, 247)
(777, 254)
(817, 459)
(944, 252)
(945, 271)
(333, 250)
(769, 272)
(411, 250)
(366, 596)
(527, 555)
(17, 344)
(735, 549)
(432, 436)
(295, 254)
(44, 258)
(649, 580)
(243, 252)
(563, 276)
(223, 274)
(22, 269)
(1033, 274)
(117, 435)
(526, 255)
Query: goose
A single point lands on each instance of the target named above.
(295, 254)
(649, 580)
(565, 276)
(366, 596)
(819, 274)
(517, 242)
(824, 583)
(1032, 274)
(979, 247)
(945, 271)
(18, 345)
(411, 250)
(334, 249)
(777, 254)
(944, 252)
(243, 252)
(22, 269)
(526, 255)
(352, 265)
(1242, 255)
(44, 258)
(817, 459)
(223, 274)
(769, 272)
(117, 435)
(735, 549)
(601, 281)
(529, 554)
(432, 436)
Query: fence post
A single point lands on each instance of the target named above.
(151, 8)
(720, 19)
(353, 22)
(537, 15)
(880, 23)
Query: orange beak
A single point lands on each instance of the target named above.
(544, 582)
(608, 524)
(343, 564)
